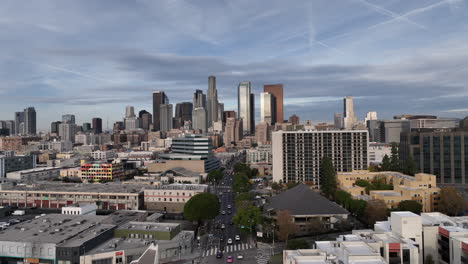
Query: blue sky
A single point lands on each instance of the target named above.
(92, 58)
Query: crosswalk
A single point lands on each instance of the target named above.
(263, 254)
(227, 249)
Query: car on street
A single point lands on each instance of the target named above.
(221, 238)
(223, 226)
(219, 254)
(237, 238)
(223, 212)
(229, 212)
(229, 206)
(240, 256)
(220, 193)
(229, 241)
(229, 259)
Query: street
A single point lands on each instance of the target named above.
(223, 232)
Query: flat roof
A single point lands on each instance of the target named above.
(35, 170)
(149, 226)
(80, 187)
(57, 228)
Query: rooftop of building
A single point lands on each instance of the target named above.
(439, 219)
(149, 226)
(114, 188)
(181, 186)
(293, 201)
(38, 169)
(319, 131)
(181, 172)
(57, 228)
(180, 156)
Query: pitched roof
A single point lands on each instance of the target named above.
(301, 200)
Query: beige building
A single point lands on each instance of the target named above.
(422, 188)
(191, 165)
(71, 172)
(263, 133)
(233, 131)
(171, 198)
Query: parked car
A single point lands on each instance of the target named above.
(240, 256)
(229, 259)
(229, 241)
(237, 238)
(219, 254)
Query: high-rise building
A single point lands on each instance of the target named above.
(294, 119)
(67, 132)
(233, 131)
(375, 130)
(68, 119)
(228, 114)
(390, 130)
(30, 121)
(129, 111)
(443, 153)
(212, 101)
(97, 125)
(10, 125)
(349, 119)
(246, 109)
(277, 91)
(199, 121)
(19, 123)
(199, 99)
(86, 127)
(118, 126)
(263, 133)
(338, 121)
(183, 112)
(220, 112)
(146, 119)
(54, 127)
(297, 154)
(165, 118)
(267, 108)
(370, 116)
(159, 98)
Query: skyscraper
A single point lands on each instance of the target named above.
(294, 119)
(165, 118)
(54, 127)
(267, 108)
(199, 99)
(129, 111)
(10, 125)
(263, 133)
(159, 98)
(30, 121)
(199, 119)
(86, 127)
(245, 101)
(97, 125)
(370, 116)
(19, 123)
(67, 131)
(228, 114)
(68, 119)
(184, 111)
(233, 131)
(146, 119)
(212, 101)
(277, 91)
(349, 119)
(338, 121)
(220, 112)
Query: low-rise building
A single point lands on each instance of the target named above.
(109, 196)
(422, 187)
(181, 175)
(80, 209)
(260, 154)
(302, 212)
(74, 172)
(103, 155)
(377, 152)
(36, 174)
(171, 198)
(102, 171)
(11, 162)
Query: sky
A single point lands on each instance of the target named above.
(92, 58)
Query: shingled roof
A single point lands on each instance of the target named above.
(301, 200)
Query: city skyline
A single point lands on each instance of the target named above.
(326, 57)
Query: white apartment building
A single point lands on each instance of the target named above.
(377, 151)
(260, 154)
(103, 155)
(80, 209)
(171, 198)
(297, 154)
(406, 238)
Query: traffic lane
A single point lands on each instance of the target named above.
(249, 257)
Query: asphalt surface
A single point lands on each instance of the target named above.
(218, 238)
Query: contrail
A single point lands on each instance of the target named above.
(391, 14)
(72, 72)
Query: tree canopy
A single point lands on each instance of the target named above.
(451, 201)
(376, 210)
(214, 176)
(327, 177)
(241, 183)
(201, 207)
(409, 167)
(248, 217)
(386, 166)
(294, 244)
(285, 225)
(410, 205)
(394, 160)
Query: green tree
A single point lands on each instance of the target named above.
(201, 207)
(409, 167)
(357, 207)
(275, 186)
(394, 161)
(248, 218)
(451, 201)
(294, 244)
(327, 177)
(214, 176)
(410, 205)
(241, 183)
(364, 184)
(243, 199)
(386, 165)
